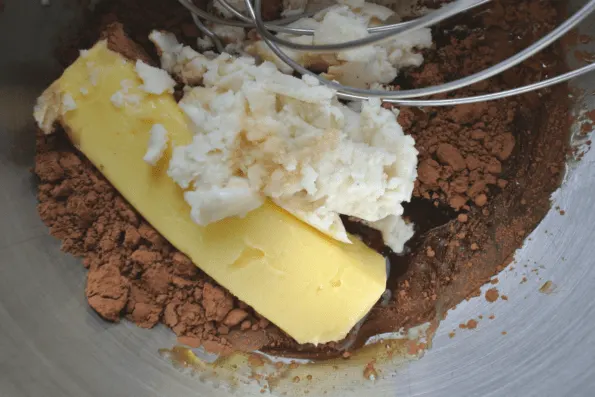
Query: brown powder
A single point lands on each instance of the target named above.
(133, 271)
(256, 360)
(584, 56)
(484, 161)
(514, 151)
(370, 371)
(471, 324)
(492, 295)
(464, 159)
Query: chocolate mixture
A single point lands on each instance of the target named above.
(486, 172)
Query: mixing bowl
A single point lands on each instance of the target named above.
(51, 344)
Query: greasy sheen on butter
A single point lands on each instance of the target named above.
(311, 286)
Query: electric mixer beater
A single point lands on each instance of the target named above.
(267, 31)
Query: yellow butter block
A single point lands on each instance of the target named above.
(314, 288)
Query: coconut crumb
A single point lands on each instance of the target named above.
(262, 134)
(157, 144)
(155, 80)
(361, 67)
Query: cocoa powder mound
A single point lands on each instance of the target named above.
(460, 163)
(486, 172)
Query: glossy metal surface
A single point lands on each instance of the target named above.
(402, 97)
(53, 345)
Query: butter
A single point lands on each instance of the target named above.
(311, 286)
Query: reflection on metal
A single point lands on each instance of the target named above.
(53, 345)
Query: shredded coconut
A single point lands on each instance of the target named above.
(94, 73)
(68, 103)
(360, 67)
(122, 97)
(48, 108)
(229, 34)
(395, 231)
(156, 81)
(262, 134)
(213, 203)
(179, 60)
(158, 138)
(204, 43)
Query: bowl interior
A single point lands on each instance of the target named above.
(52, 344)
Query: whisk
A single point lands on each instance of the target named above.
(266, 30)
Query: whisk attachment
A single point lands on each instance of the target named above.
(377, 34)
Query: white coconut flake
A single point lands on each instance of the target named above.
(155, 80)
(48, 108)
(188, 65)
(68, 103)
(157, 144)
(94, 73)
(214, 203)
(395, 231)
(204, 43)
(123, 97)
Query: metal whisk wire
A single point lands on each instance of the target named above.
(400, 97)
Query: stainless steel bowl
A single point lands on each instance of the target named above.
(53, 345)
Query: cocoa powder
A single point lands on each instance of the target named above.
(492, 295)
(133, 271)
(513, 151)
(485, 175)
